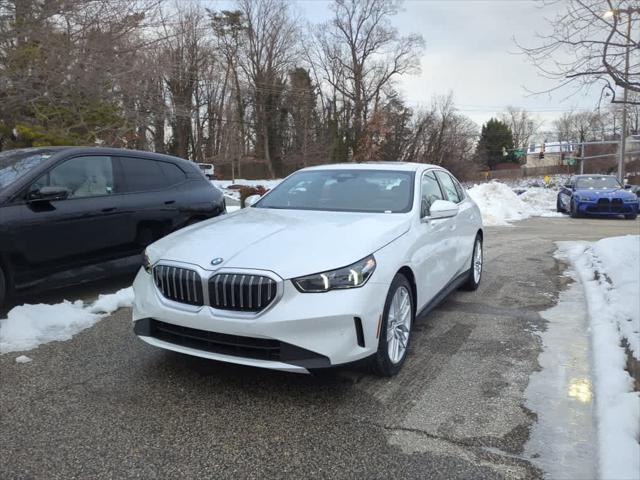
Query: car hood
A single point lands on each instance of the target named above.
(290, 243)
(605, 193)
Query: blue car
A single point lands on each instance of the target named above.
(600, 195)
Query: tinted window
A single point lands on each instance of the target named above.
(172, 173)
(15, 163)
(430, 193)
(380, 191)
(142, 174)
(88, 176)
(449, 187)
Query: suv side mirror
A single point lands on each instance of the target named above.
(48, 194)
(627, 187)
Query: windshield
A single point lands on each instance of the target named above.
(15, 163)
(598, 182)
(376, 191)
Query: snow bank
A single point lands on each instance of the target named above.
(28, 326)
(609, 271)
(500, 205)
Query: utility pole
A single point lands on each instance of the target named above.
(623, 134)
(616, 13)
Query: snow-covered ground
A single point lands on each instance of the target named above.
(609, 271)
(500, 205)
(28, 326)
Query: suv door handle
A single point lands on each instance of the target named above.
(109, 209)
(169, 202)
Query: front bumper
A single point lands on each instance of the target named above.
(308, 330)
(608, 207)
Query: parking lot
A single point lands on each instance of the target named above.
(106, 405)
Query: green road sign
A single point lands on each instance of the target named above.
(519, 153)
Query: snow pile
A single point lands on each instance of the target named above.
(23, 359)
(28, 326)
(500, 205)
(610, 272)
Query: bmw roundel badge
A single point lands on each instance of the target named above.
(217, 261)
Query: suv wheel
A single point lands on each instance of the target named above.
(395, 332)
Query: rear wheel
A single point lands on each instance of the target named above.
(475, 272)
(395, 331)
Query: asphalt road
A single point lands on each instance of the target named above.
(105, 405)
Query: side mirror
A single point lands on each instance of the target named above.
(443, 209)
(251, 199)
(627, 187)
(48, 194)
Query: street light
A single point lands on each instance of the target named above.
(616, 12)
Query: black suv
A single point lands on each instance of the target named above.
(75, 214)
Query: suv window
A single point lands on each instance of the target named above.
(449, 187)
(143, 174)
(430, 193)
(88, 176)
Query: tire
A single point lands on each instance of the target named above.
(384, 363)
(473, 281)
(631, 216)
(3, 287)
(559, 206)
(574, 210)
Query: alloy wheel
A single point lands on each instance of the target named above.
(477, 262)
(399, 324)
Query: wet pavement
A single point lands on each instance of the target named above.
(105, 405)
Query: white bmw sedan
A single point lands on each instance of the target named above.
(330, 267)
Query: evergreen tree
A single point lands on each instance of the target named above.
(496, 139)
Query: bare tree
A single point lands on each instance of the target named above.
(269, 53)
(523, 126)
(587, 46)
(362, 53)
(578, 126)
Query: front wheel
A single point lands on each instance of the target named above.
(475, 272)
(559, 206)
(395, 332)
(575, 213)
(631, 216)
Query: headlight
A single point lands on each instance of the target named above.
(353, 276)
(582, 198)
(146, 262)
(631, 199)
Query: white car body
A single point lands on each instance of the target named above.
(283, 244)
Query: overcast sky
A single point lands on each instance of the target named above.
(470, 51)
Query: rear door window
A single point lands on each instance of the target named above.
(143, 174)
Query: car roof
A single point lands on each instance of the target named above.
(401, 166)
(112, 151)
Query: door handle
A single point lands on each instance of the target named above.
(109, 209)
(169, 202)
